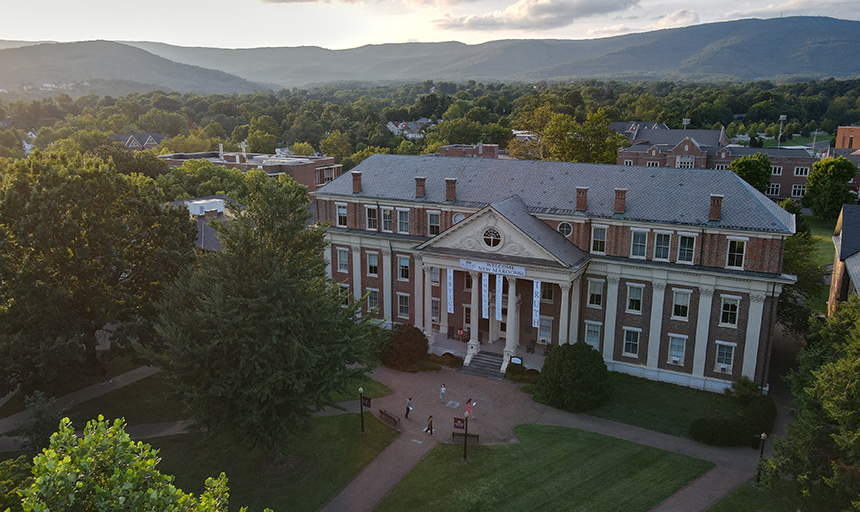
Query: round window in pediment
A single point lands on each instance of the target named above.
(565, 229)
(492, 238)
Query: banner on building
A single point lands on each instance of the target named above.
(536, 305)
(450, 274)
(499, 284)
(493, 268)
(485, 291)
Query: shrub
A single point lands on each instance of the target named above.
(408, 346)
(744, 390)
(574, 378)
(518, 373)
(757, 417)
(423, 366)
(446, 359)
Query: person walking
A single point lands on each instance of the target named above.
(469, 404)
(408, 406)
(442, 394)
(429, 425)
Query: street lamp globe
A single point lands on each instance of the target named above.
(360, 391)
(466, 414)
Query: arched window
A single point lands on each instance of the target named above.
(492, 238)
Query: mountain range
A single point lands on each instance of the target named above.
(780, 49)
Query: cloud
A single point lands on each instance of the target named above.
(534, 15)
(845, 8)
(676, 19)
(608, 31)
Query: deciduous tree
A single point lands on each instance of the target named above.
(754, 169)
(826, 190)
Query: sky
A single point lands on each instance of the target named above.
(338, 24)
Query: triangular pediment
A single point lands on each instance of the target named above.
(497, 231)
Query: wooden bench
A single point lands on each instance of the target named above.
(472, 439)
(385, 414)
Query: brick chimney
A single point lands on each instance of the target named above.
(620, 200)
(356, 182)
(581, 198)
(716, 207)
(450, 189)
(419, 186)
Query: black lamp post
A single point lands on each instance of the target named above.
(763, 438)
(361, 407)
(466, 438)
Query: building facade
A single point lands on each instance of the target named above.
(673, 275)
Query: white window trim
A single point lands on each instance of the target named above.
(628, 162)
(338, 251)
(717, 364)
(599, 335)
(337, 217)
(777, 188)
(543, 288)
(367, 209)
(408, 266)
(678, 259)
(723, 299)
(624, 341)
(435, 319)
(558, 228)
(776, 170)
(605, 236)
(367, 291)
(689, 294)
(729, 240)
(806, 171)
(670, 357)
(588, 293)
(641, 299)
(345, 286)
(434, 212)
(668, 251)
(367, 261)
(467, 325)
(407, 220)
(390, 210)
(633, 232)
(408, 305)
(438, 274)
(551, 329)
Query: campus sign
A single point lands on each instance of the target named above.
(493, 268)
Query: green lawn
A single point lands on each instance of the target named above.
(797, 140)
(323, 461)
(822, 230)
(659, 406)
(782, 498)
(145, 401)
(372, 389)
(552, 468)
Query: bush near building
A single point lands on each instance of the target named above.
(574, 378)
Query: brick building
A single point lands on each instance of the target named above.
(473, 150)
(672, 274)
(848, 137)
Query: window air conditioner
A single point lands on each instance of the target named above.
(675, 360)
(724, 369)
(435, 320)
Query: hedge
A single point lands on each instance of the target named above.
(737, 430)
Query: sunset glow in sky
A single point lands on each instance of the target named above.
(350, 23)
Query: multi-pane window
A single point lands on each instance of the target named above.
(467, 316)
(372, 264)
(721, 167)
(631, 342)
(729, 312)
(773, 189)
(686, 246)
(435, 308)
(545, 330)
(546, 292)
(387, 220)
(776, 170)
(592, 334)
(598, 240)
(628, 162)
(685, 162)
(433, 223)
(801, 171)
(434, 275)
(736, 254)
(676, 348)
(681, 304)
(403, 221)
(652, 164)
(565, 229)
(344, 295)
(402, 268)
(725, 355)
(798, 190)
(372, 299)
(372, 218)
(342, 260)
(634, 298)
(341, 215)
(595, 294)
(637, 247)
(661, 246)
(468, 281)
(402, 305)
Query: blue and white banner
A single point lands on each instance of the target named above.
(485, 291)
(499, 291)
(450, 273)
(536, 305)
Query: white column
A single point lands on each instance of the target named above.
(387, 288)
(418, 293)
(753, 334)
(474, 345)
(703, 327)
(565, 314)
(576, 293)
(655, 333)
(428, 303)
(357, 272)
(443, 301)
(512, 334)
(609, 323)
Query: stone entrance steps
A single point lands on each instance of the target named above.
(485, 364)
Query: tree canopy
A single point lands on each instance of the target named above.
(754, 169)
(258, 335)
(826, 190)
(81, 245)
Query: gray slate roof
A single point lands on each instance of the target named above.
(141, 138)
(786, 152)
(654, 194)
(515, 211)
(673, 137)
(847, 235)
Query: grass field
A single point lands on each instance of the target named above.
(782, 498)
(797, 140)
(822, 230)
(552, 468)
(321, 463)
(659, 406)
(145, 401)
